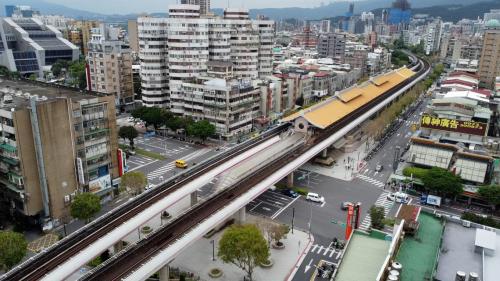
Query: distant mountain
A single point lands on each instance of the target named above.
(456, 12)
(333, 9)
(341, 7)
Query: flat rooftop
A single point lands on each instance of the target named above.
(457, 253)
(419, 254)
(21, 90)
(363, 258)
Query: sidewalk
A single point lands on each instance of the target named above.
(198, 259)
(346, 163)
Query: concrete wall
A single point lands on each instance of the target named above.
(28, 163)
(57, 145)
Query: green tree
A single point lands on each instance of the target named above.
(58, 66)
(128, 132)
(377, 216)
(77, 72)
(85, 206)
(243, 246)
(491, 193)
(442, 182)
(153, 115)
(139, 112)
(13, 247)
(202, 129)
(279, 232)
(134, 182)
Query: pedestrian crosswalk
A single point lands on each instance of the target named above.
(371, 180)
(382, 201)
(170, 166)
(327, 251)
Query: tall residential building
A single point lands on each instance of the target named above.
(489, 65)
(204, 5)
(332, 45)
(133, 40)
(54, 143)
(175, 49)
(110, 66)
(432, 38)
(494, 14)
(30, 47)
(85, 28)
(325, 26)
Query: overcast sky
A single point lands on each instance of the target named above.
(137, 6)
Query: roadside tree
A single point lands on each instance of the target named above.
(13, 247)
(134, 182)
(442, 182)
(243, 246)
(85, 206)
(202, 129)
(377, 216)
(130, 133)
(491, 193)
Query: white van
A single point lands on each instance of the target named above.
(399, 197)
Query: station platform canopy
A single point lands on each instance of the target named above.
(330, 111)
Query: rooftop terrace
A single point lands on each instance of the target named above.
(21, 90)
(419, 254)
(363, 258)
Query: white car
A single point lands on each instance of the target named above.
(398, 197)
(315, 197)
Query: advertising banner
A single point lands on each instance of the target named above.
(100, 184)
(453, 125)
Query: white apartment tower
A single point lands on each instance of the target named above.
(204, 5)
(176, 49)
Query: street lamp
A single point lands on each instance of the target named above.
(213, 249)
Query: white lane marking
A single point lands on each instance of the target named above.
(256, 206)
(338, 255)
(282, 209)
(138, 167)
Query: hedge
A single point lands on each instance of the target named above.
(415, 171)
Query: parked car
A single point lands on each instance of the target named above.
(315, 197)
(290, 193)
(345, 205)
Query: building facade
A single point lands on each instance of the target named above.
(55, 143)
(30, 47)
(178, 48)
(332, 45)
(110, 66)
(489, 64)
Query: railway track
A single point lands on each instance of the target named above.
(119, 266)
(36, 267)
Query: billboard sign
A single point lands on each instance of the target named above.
(453, 125)
(79, 168)
(100, 184)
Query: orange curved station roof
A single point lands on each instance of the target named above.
(332, 110)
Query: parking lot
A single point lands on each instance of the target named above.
(270, 204)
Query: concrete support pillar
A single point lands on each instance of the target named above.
(242, 215)
(164, 273)
(118, 247)
(194, 198)
(324, 154)
(289, 180)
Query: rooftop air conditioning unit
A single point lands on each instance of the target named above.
(466, 223)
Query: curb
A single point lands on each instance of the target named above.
(301, 258)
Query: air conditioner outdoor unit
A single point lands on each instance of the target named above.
(466, 223)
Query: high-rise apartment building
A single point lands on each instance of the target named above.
(54, 143)
(332, 45)
(30, 47)
(489, 65)
(133, 40)
(85, 30)
(204, 5)
(175, 49)
(432, 38)
(110, 66)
